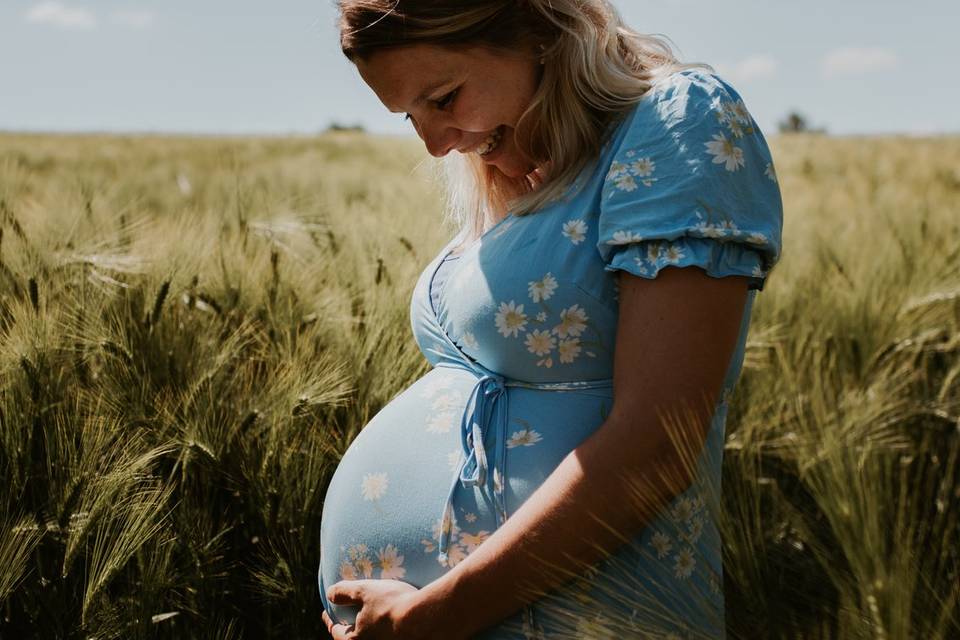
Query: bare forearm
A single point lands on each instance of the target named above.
(568, 522)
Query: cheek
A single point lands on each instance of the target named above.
(478, 111)
(475, 119)
(527, 81)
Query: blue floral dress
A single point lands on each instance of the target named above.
(521, 339)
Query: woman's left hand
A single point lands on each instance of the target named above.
(385, 606)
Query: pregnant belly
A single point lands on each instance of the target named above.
(382, 512)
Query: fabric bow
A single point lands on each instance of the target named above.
(484, 407)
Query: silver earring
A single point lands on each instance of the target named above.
(543, 48)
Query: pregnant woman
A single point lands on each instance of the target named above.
(619, 212)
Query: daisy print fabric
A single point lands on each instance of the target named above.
(692, 182)
(551, 335)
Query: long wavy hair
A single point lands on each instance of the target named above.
(595, 70)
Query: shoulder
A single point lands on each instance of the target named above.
(687, 122)
(683, 101)
(691, 169)
(693, 84)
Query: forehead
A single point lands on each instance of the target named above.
(401, 75)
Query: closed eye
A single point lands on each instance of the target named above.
(447, 99)
(442, 103)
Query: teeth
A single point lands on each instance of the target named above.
(490, 143)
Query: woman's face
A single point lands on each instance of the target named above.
(458, 98)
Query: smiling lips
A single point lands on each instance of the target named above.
(489, 144)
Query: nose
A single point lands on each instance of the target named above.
(438, 138)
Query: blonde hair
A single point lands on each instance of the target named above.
(595, 70)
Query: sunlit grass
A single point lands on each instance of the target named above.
(192, 331)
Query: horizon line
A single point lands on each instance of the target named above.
(180, 133)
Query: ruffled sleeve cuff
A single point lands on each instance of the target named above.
(718, 258)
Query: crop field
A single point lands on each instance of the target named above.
(193, 330)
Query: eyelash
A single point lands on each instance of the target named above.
(442, 103)
(445, 101)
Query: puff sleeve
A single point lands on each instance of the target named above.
(691, 183)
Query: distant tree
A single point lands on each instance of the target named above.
(793, 123)
(337, 126)
(796, 123)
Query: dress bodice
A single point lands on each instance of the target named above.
(440, 278)
(684, 179)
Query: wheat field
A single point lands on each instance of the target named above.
(193, 330)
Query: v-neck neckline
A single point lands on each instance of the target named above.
(445, 253)
(449, 251)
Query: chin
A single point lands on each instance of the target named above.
(513, 169)
(514, 173)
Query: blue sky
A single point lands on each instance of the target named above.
(237, 66)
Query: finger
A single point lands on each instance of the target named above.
(327, 621)
(345, 592)
(342, 631)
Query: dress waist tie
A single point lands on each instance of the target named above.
(487, 407)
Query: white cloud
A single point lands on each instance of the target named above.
(857, 60)
(135, 18)
(751, 68)
(57, 14)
